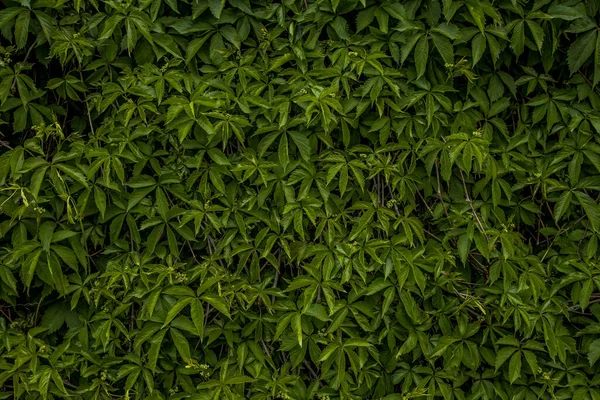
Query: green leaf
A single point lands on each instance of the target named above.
(586, 292)
(100, 200)
(181, 343)
(442, 345)
(55, 270)
(72, 172)
(503, 355)
(37, 178)
(562, 205)
(463, 245)
(565, 12)
(67, 256)
(537, 32)
(477, 14)
(167, 43)
(444, 47)
(580, 50)
(478, 48)
(597, 62)
(421, 55)
(278, 62)
(594, 352)
(517, 40)
(335, 4)
(283, 152)
(216, 7)
(218, 303)
(591, 209)
(8, 15)
(531, 361)
(296, 323)
(29, 266)
(328, 351)
(22, 29)
(176, 309)
(198, 316)
(364, 18)
(45, 234)
(357, 342)
(302, 143)
(8, 278)
(514, 367)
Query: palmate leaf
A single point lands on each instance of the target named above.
(252, 199)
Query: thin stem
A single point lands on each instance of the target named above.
(37, 310)
(439, 187)
(468, 200)
(87, 107)
(5, 314)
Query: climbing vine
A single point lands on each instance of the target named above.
(299, 199)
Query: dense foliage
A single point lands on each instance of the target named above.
(305, 199)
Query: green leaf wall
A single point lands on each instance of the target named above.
(300, 199)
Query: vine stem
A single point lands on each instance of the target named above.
(310, 369)
(439, 187)
(5, 314)
(423, 199)
(470, 202)
(5, 144)
(87, 107)
(37, 310)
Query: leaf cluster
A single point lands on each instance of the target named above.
(304, 199)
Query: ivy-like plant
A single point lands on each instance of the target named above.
(299, 199)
